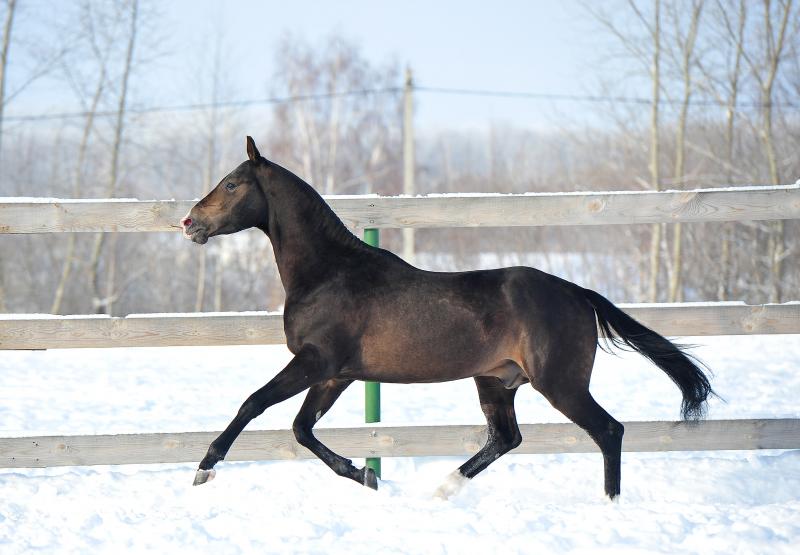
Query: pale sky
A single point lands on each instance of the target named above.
(530, 46)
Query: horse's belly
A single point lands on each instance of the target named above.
(428, 353)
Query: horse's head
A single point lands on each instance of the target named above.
(237, 202)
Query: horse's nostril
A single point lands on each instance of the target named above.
(187, 222)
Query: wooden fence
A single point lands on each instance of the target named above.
(379, 441)
(705, 205)
(432, 211)
(172, 330)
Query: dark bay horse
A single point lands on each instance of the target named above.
(355, 312)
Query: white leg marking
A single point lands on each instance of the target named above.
(452, 485)
(318, 415)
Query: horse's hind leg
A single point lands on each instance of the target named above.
(583, 410)
(319, 400)
(503, 434)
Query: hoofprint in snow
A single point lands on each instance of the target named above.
(704, 502)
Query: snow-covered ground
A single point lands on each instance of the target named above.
(705, 502)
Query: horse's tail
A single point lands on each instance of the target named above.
(625, 332)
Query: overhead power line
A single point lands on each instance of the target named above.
(208, 105)
(486, 93)
(610, 99)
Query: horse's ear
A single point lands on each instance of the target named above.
(252, 151)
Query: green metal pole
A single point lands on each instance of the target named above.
(372, 390)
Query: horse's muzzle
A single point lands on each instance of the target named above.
(191, 230)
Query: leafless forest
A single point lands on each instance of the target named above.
(723, 109)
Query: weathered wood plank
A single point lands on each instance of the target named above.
(262, 329)
(573, 208)
(408, 441)
(639, 207)
(43, 216)
(702, 319)
(142, 331)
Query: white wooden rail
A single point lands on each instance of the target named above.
(433, 211)
(169, 330)
(406, 441)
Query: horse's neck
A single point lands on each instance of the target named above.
(308, 239)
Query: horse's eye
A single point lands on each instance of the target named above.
(230, 185)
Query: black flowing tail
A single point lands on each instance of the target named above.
(623, 331)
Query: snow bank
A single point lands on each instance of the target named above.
(705, 502)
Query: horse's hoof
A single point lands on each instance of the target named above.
(204, 476)
(370, 478)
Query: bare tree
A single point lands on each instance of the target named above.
(338, 142)
(721, 60)
(655, 74)
(729, 19)
(685, 50)
(103, 303)
(210, 168)
(5, 40)
(765, 71)
(647, 50)
(100, 56)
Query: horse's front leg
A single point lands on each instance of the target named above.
(305, 369)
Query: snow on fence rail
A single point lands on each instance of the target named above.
(171, 330)
(32, 215)
(406, 441)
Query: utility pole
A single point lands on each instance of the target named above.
(408, 160)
